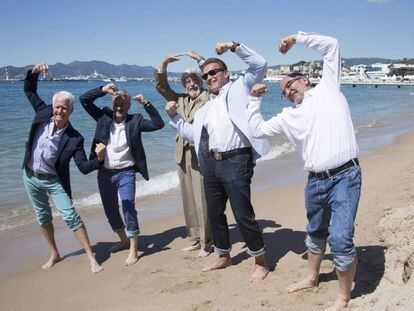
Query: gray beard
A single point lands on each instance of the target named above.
(194, 93)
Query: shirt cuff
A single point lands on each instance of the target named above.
(301, 37)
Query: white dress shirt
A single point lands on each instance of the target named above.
(118, 155)
(320, 127)
(237, 98)
(223, 135)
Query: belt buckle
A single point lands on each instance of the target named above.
(218, 156)
(320, 175)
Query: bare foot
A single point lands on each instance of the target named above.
(304, 284)
(204, 253)
(131, 259)
(51, 262)
(95, 266)
(193, 247)
(221, 263)
(339, 304)
(123, 245)
(259, 273)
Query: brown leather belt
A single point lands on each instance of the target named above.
(40, 175)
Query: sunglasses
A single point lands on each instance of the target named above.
(212, 73)
(288, 85)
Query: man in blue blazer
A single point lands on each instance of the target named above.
(120, 132)
(226, 151)
(52, 143)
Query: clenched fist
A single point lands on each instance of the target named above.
(222, 47)
(171, 109)
(110, 88)
(42, 67)
(286, 43)
(100, 151)
(259, 90)
(140, 99)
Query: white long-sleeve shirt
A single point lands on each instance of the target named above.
(235, 105)
(118, 155)
(320, 127)
(223, 134)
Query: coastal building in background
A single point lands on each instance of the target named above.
(375, 74)
(393, 72)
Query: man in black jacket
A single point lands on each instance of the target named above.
(52, 143)
(120, 132)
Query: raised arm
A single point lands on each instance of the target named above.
(161, 81)
(155, 122)
(30, 86)
(259, 127)
(184, 128)
(87, 99)
(257, 65)
(328, 46)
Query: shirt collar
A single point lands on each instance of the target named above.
(222, 89)
(51, 126)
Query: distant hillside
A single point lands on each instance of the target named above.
(76, 68)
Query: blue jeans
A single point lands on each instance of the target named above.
(111, 183)
(230, 180)
(331, 206)
(39, 190)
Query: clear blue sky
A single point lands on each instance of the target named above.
(143, 32)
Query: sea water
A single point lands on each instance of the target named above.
(380, 115)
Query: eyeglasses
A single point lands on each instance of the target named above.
(212, 73)
(288, 86)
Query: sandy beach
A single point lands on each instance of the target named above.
(165, 278)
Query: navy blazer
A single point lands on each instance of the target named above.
(134, 125)
(70, 145)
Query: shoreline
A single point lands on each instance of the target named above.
(165, 276)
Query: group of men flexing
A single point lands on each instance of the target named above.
(220, 135)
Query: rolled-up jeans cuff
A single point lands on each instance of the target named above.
(344, 262)
(77, 226)
(117, 230)
(131, 234)
(258, 253)
(220, 251)
(315, 245)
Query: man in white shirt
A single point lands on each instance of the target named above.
(319, 125)
(226, 152)
(124, 156)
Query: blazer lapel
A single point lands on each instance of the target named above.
(128, 131)
(63, 141)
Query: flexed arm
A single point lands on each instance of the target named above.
(161, 81)
(328, 46)
(259, 127)
(87, 99)
(156, 121)
(257, 65)
(30, 86)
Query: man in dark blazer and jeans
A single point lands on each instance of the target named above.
(120, 132)
(52, 143)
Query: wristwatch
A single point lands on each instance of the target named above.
(235, 45)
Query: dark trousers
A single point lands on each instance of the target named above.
(230, 179)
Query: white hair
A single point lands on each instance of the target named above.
(65, 96)
(191, 72)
